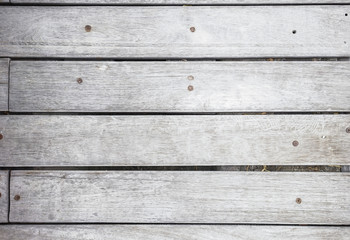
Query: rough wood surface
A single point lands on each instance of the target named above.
(165, 32)
(3, 198)
(4, 1)
(180, 197)
(170, 2)
(174, 140)
(170, 232)
(42, 86)
(4, 74)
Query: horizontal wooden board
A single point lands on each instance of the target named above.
(158, 140)
(175, 31)
(43, 86)
(180, 197)
(4, 76)
(170, 232)
(3, 198)
(170, 2)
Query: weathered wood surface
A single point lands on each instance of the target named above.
(42, 86)
(174, 140)
(170, 232)
(4, 1)
(4, 76)
(180, 197)
(184, 2)
(3, 197)
(165, 32)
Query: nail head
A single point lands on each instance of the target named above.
(190, 77)
(1, 136)
(298, 200)
(80, 81)
(295, 143)
(348, 130)
(88, 28)
(190, 88)
(17, 197)
(192, 29)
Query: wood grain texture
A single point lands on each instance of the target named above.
(4, 76)
(170, 232)
(170, 2)
(51, 86)
(164, 32)
(174, 140)
(3, 197)
(180, 197)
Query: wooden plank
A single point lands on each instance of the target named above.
(43, 86)
(171, 2)
(174, 140)
(180, 197)
(171, 232)
(4, 76)
(4, 197)
(4, 1)
(175, 31)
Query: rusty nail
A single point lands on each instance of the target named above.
(80, 81)
(190, 88)
(88, 28)
(192, 29)
(347, 130)
(295, 143)
(17, 197)
(1, 136)
(190, 77)
(298, 200)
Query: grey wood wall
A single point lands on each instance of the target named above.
(89, 92)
